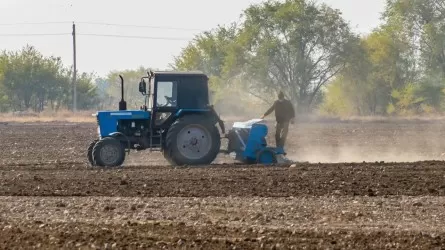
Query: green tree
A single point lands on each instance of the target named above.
(212, 53)
(215, 53)
(297, 46)
(208, 52)
(423, 24)
(406, 101)
(87, 92)
(132, 78)
(338, 102)
(19, 76)
(30, 81)
(3, 97)
(383, 63)
(392, 66)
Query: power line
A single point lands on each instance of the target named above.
(36, 23)
(104, 24)
(103, 35)
(137, 37)
(37, 34)
(140, 26)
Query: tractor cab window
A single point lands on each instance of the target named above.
(166, 94)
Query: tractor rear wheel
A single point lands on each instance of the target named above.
(192, 140)
(108, 152)
(90, 152)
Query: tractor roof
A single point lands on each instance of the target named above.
(188, 73)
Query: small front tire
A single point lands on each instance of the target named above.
(90, 153)
(109, 152)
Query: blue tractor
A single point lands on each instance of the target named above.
(178, 121)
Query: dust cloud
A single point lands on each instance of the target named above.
(350, 154)
(369, 141)
(342, 142)
(319, 139)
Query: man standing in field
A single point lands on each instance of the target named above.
(284, 113)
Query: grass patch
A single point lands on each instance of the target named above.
(49, 116)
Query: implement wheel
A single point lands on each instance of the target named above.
(192, 140)
(108, 152)
(266, 156)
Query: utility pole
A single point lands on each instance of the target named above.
(75, 70)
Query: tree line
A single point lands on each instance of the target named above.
(308, 50)
(399, 68)
(301, 47)
(30, 81)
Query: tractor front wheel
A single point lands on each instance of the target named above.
(90, 152)
(192, 140)
(109, 152)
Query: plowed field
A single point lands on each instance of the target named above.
(358, 185)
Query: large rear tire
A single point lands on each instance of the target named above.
(192, 140)
(108, 152)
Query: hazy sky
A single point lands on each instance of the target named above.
(102, 54)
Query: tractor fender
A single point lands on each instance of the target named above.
(218, 119)
(119, 134)
(209, 112)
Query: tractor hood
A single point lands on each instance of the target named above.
(126, 114)
(107, 120)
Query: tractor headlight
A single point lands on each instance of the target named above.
(98, 123)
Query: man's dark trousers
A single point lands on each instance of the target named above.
(281, 132)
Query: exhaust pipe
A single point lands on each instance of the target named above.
(122, 103)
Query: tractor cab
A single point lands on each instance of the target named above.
(169, 94)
